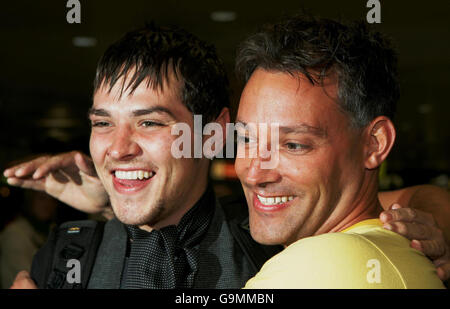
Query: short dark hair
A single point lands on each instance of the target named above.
(149, 53)
(364, 62)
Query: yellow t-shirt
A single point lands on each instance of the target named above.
(364, 256)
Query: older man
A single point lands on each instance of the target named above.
(331, 89)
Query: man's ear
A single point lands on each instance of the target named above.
(224, 118)
(380, 137)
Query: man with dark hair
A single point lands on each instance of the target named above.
(331, 88)
(363, 63)
(154, 56)
(170, 231)
(146, 83)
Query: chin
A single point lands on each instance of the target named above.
(149, 220)
(132, 214)
(267, 237)
(128, 220)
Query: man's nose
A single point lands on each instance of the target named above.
(124, 146)
(258, 176)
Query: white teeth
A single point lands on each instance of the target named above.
(133, 174)
(274, 200)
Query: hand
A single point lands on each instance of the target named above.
(420, 227)
(69, 177)
(23, 281)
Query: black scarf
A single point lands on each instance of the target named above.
(167, 258)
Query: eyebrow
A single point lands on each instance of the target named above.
(305, 128)
(136, 113)
(302, 128)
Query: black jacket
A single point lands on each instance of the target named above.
(228, 256)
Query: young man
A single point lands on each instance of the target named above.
(170, 231)
(145, 84)
(331, 89)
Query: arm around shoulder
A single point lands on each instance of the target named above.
(427, 198)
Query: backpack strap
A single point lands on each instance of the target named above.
(77, 240)
(236, 213)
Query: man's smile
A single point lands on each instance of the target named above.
(266, 203)
(130, 181)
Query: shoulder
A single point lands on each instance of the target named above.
(81, 233)
(336, 251)
(333, 260)
(331, 246)
(70, 240)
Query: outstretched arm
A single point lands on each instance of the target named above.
(427, 198)
(425, 221)
(69, 177)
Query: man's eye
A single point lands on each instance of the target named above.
(100, 124)
(244, 139)
(149, 123)
(297, 146)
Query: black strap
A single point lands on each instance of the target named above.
(77, 240)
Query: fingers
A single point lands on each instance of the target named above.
(27, 183)
(85, 164)
(24, 169)
(443, 272)
(22, 275)
(55, 163)
(418, 226)
(431, 248)
(397, 213)
(42, 166)
(413, 230)
(19, 175)
(23, 281)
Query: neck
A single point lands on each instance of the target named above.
(365, 205)
(358, 214)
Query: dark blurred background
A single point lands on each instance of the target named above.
(48, 65)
